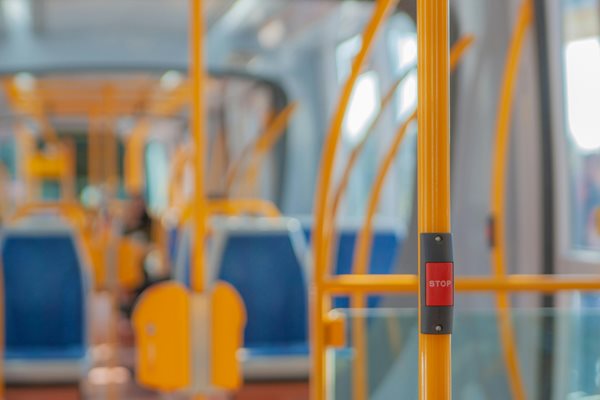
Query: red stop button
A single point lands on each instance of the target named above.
(439, 281)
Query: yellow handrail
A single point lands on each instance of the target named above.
(435, 357)
(362, 252)
(252, 153)
(379, 284)
(498, 195)
(357, 150)
(323, 224)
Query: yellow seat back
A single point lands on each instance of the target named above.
(161, 323)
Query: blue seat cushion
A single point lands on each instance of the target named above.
(44, 297)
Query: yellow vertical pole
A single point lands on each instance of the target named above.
(434, 174)
(197, 114)
(197, 124)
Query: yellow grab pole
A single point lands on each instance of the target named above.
(197, 124)
(197, 115)
(498, 196)
(435, 381)
(323, 223)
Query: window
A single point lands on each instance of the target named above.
(365, 100)
(157, 176)
(402, 42)
(389, 60)
(581, 57)
(363, 107)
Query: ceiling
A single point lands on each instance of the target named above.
(67, 35)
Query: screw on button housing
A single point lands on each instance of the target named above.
(439, 328)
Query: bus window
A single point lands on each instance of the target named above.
(402, 42)
(157, 179)
(581, 54)
(389, 62)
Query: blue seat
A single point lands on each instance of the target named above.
(46, 288)
(387, 243)
(265, 261)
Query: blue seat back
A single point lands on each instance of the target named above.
(267, 271)
(45, 295)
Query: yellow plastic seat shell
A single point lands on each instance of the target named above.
(161, 322)
(164, 330)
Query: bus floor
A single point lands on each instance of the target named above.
(258, 391)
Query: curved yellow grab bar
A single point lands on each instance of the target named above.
(362, 250)
(357, 150)
(323, 223)
(498, 195)
(236, 207)
(252, 153)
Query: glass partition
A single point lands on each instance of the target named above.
(478, 366)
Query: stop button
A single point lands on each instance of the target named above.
(439, 281)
